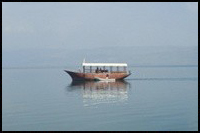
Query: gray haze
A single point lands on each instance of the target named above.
(43, 34)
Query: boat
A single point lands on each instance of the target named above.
(100, 71)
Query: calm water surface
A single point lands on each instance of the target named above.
(152, 98)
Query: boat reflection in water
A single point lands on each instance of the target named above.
(96, 92)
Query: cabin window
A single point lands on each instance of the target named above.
(117, 68)
(110, 68)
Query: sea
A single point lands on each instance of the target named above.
(161, 94)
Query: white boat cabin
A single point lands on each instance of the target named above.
(104, 67)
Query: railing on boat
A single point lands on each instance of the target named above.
(104, 67)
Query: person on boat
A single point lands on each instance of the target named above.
(107, 76)
(97, 70)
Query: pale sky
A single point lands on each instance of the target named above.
(27, 25)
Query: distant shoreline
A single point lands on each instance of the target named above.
(55, 67)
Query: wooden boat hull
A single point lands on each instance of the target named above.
(91, 76)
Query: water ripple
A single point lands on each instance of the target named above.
(166, 79)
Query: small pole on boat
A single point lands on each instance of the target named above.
(124, 68)
(83, 69)
(84, 60)
(117, 68)
(90, 69)
(83, 66)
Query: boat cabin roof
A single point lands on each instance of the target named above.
(105, 64)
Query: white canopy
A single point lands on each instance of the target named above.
(105, 64)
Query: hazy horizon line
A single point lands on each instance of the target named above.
(54, 67)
